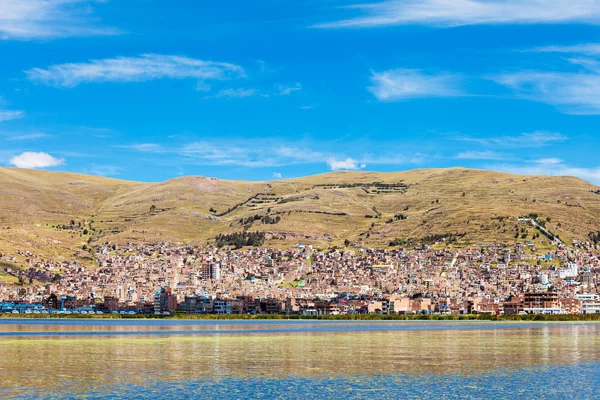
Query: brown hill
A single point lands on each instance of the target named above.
(59, 213)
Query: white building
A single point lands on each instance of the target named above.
(590, 303)
(570, 271)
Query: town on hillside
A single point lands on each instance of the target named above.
(164, 279)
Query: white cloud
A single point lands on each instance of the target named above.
(403, 84)
(548, 161)
(7, 115)
(480, 155)
(134, 69)
(449, 13)
(34, 160)
(277, 175)
(524, 140)
(348, 163)
(30, 19)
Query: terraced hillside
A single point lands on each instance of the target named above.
(60, 213)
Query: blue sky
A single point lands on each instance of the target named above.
(150, 90)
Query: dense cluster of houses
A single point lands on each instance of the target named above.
(161, 278)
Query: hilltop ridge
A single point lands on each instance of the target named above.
(61, 212)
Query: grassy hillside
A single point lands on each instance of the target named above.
(58, 213)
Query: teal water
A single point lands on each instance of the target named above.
(297, 359)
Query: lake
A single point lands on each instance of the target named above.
(63, 358)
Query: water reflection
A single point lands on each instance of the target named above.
(81, 364)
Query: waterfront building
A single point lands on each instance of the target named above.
(164, 301)
(590, 303)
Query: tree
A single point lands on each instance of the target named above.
(152, 209)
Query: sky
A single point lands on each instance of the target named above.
(150, 90)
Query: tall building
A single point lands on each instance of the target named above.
(164, 300)
(111, 303)
(215, 272)
(210, 271)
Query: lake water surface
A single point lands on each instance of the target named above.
(63, 358)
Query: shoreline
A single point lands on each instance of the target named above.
(346, 317)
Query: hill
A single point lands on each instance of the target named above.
(59, 213)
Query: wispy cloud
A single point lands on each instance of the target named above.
(233, 94)
(552, 167)
(277, 175)
(145, 67)
(524, 140)
(256, 155)
(284, 90)
(570, 92)
(8, 115)
(589, 49)
(385, 158)
(28, 136)
(31, 19)
(480, 155)
(266, 153)
(450, 13)
(403, 84)
(280, 90)
(104, 170)
(35, 160)
(145, 147)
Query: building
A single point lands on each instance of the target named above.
(222, 307)
(570, 271)
(164, 301)
(541, 303)
(590, 303)
(197, 305)
(111, 303)
(210, 271)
